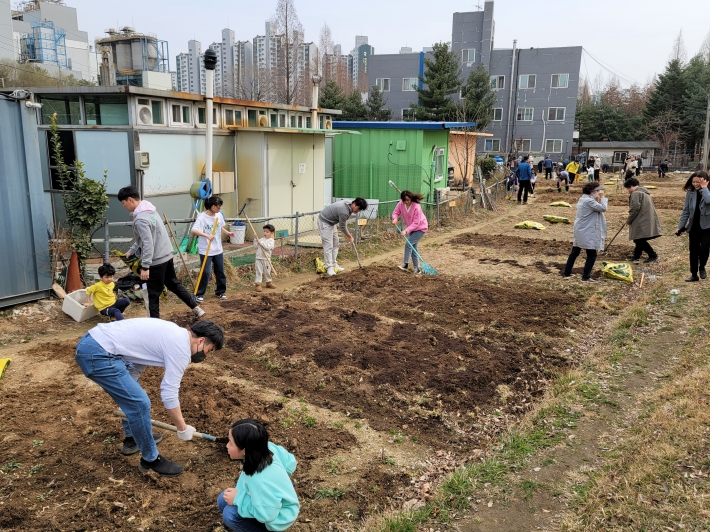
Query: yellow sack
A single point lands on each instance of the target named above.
(650, 187)
(527, 224)
(610, 183)
(560, 204)
(320, 265)
(556, 219)
(4, 363)
(621, 271)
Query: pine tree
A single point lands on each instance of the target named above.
(375, 105)
(353, 107)
(441, 80)
(669, 92)
(695, 102)
(478, 98)
(331, 97)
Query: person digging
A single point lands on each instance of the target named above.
(336, 214)
(114, 355)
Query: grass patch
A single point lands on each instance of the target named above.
(330, 493)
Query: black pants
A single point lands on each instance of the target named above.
(218, 262)
(524, 185)
(699, 242)
(588, 264)
(116, 310)
(572, 175)
(641, 246)
(628, 174)
(548, 173)
(596, 174)
(163, 275)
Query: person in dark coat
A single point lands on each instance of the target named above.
(695, 219)
(642, 221)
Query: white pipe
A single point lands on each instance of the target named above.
(510, 99)
(544, 130)
(314, 107)
(209, 93)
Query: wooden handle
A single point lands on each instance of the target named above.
(273, 270)
(165, 426)
(207, 254)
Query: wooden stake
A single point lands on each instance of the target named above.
(643, 275)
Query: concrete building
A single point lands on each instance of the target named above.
(536, 88)
(191, 69)
(7, 39)
(243, 67)
(360, 57)
(46, 32)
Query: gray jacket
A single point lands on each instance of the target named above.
(152, 243)
(337, 213)
(590, 223)
(643, 220)
(686, 217)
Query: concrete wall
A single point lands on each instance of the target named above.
(396, 67)
(6, 36)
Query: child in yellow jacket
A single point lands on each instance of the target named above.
(102, 296)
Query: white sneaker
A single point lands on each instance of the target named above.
(330, 271)
(338, 268)
(404, 267)
(198, 312)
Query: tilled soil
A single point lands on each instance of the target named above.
(417, 360)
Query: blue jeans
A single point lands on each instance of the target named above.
(234, 521)
(111, 373)
(116, 310)
(218, 262)
(414, 239)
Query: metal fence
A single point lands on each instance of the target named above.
(300, 230)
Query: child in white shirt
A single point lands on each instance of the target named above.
(263, 255)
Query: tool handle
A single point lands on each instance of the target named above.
(207, 253)
(273, 270)
(173, 428)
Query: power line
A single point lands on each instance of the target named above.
(611, 69)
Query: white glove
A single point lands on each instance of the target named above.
(186, 435)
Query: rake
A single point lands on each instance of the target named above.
(426, 269)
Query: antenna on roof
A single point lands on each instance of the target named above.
(478, 5)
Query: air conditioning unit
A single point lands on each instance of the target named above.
(328, 124)
(144, 113)
(263, 121)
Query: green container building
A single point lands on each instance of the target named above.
(413, 155)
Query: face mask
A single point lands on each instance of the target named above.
(198, 357)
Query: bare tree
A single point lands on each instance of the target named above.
(255, 84)
(325, 50)
(665, 129)
(705, 48)
(289, 30)
(679, 52)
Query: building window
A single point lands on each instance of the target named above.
(66, 138)
(497, 82)
(274, 120)
(293, 120)
(468, 56)
(409, 84)
(553, 145)
(556, 113)
(492, 145)
(106, 110)
(68, 109)
(526, 81)
(201, 116)
(180, 114)
(439, 166)
(251, 115)
(383, 84)
(232, 117)
(620, 156)
(560, 81)
(282, 120)
(300, 121)
(497, 114)
(525, 114)
(408, 114)
(522, 145)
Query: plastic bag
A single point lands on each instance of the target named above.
(621, 271)
(555, 219)
(560, 204)
(320, 265)
(528, 224)
(651, 187)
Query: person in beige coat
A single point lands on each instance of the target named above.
(643, 221)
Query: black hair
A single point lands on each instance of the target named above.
(106, 269)
(270, 228)
(589, 187)
(526, 157)
(416, 198)
(251, 436)
(210, 331)
(129, 192)
(212, 201)
(361, 203)
(689, 183)
(631, 182)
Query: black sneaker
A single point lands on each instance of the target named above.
(703, 273)
(162, 466)
(692, 279)
(130, 447)
(651, 259)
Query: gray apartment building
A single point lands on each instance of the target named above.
(536, 88)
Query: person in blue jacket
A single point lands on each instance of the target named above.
(264, 498)
(524, 173)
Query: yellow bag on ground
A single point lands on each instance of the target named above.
(651, 187)
(560, 204)
(556, 219)
(621, 271)
(320, 265)
(528, 224)
(610, 182)
(4, 363)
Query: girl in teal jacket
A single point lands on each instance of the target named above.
(264, 498)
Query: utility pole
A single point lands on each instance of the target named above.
(705, 138)
(210, 65)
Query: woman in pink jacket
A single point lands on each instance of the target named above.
(415, 224)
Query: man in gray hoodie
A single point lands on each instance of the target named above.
(336, 214)
(153, 247)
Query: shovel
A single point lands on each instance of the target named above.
(606, 249)
(173, 428)
(357, 255)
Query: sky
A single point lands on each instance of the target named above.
(631, 38)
